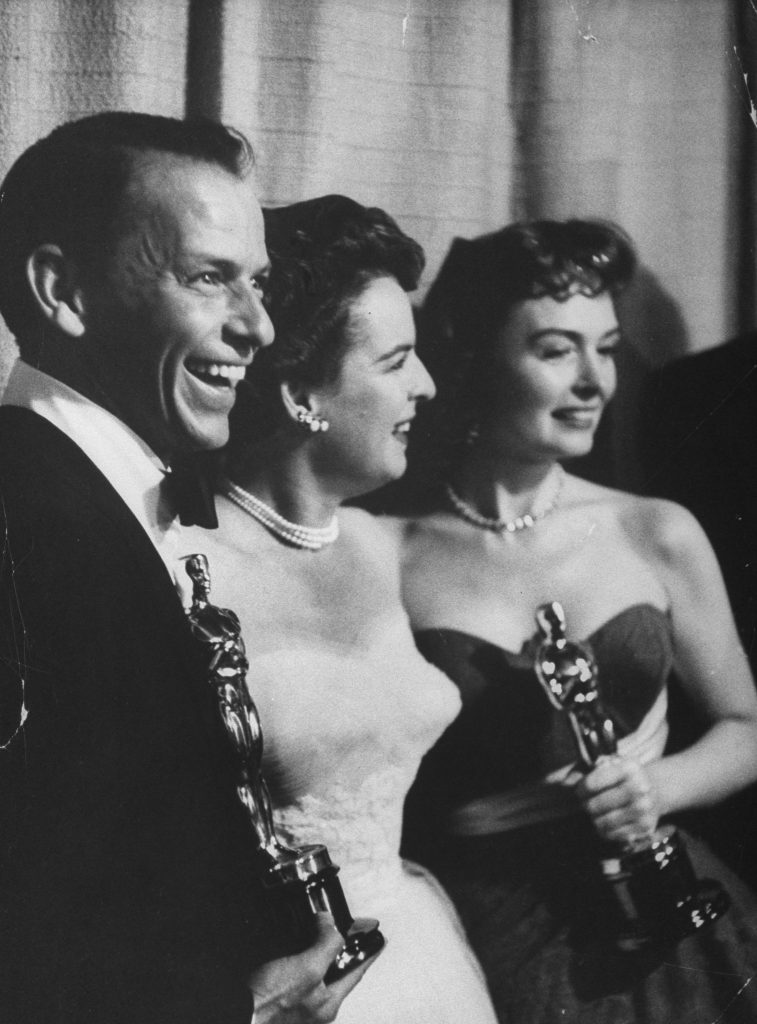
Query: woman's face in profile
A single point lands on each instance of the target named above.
(371, 404)
(554, 369)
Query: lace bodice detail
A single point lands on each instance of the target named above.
(344, 734)
(355, 826)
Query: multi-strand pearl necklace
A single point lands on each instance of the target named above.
(311, 538)
(502, 526)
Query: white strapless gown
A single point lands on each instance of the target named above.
(344, 735)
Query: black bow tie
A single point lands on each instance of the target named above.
(190, 494)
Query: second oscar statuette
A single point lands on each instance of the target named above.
(657, 896)
(300, 881)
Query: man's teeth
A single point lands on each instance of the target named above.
(402, 428)
(213, 371)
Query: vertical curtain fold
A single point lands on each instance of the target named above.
(401, 104)
(744, 215)
(626, 111)
(205, 36)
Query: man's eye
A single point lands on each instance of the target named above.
(608, 350)
(262, 288)
(207, 279)
(556, 353)
(398, 363)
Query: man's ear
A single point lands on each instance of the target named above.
(52, 279)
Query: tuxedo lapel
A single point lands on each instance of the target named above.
(44, 453)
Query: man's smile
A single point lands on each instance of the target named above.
(225, 375)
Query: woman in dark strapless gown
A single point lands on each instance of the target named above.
(501, 811)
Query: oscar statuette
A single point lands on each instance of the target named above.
(299, 882)
(656, 894)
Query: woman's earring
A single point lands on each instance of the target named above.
(312, 421)
(472, 434)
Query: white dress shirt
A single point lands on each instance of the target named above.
(132, 468)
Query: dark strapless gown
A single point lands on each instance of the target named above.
(531, 896)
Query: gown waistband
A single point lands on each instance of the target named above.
(551, 797)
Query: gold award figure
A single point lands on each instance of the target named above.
(657, 896)
(301, 882)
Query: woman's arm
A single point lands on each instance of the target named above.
(624, 798)
(712, 667)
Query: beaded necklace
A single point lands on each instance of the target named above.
(501, 526)
(310, 538)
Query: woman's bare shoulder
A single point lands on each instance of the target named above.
(661, 528)
(681, 546)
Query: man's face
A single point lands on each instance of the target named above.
(176, 314)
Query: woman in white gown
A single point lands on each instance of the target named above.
(348, 706)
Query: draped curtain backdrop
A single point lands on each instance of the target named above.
(455, 115)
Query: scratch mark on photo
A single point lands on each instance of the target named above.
(723, 1016)
(745, 79)
(19, 660)
(585, 33)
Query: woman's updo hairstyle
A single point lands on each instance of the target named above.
(324, 252)
(482, 278)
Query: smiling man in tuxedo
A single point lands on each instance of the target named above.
(132, 273)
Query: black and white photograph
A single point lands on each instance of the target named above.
(378, 503)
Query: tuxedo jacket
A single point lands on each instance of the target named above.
(700, 427)
(126, 892)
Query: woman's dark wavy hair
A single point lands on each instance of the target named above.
(480, 281)
(324, 252)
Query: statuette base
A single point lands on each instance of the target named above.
(305, 882)
(363, 940)
(658, 898)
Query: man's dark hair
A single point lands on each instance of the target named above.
(324, 253)
(65, 190)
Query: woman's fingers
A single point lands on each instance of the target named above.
(291, 990)
(619, 797)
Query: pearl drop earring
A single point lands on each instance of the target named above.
(312, 421)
